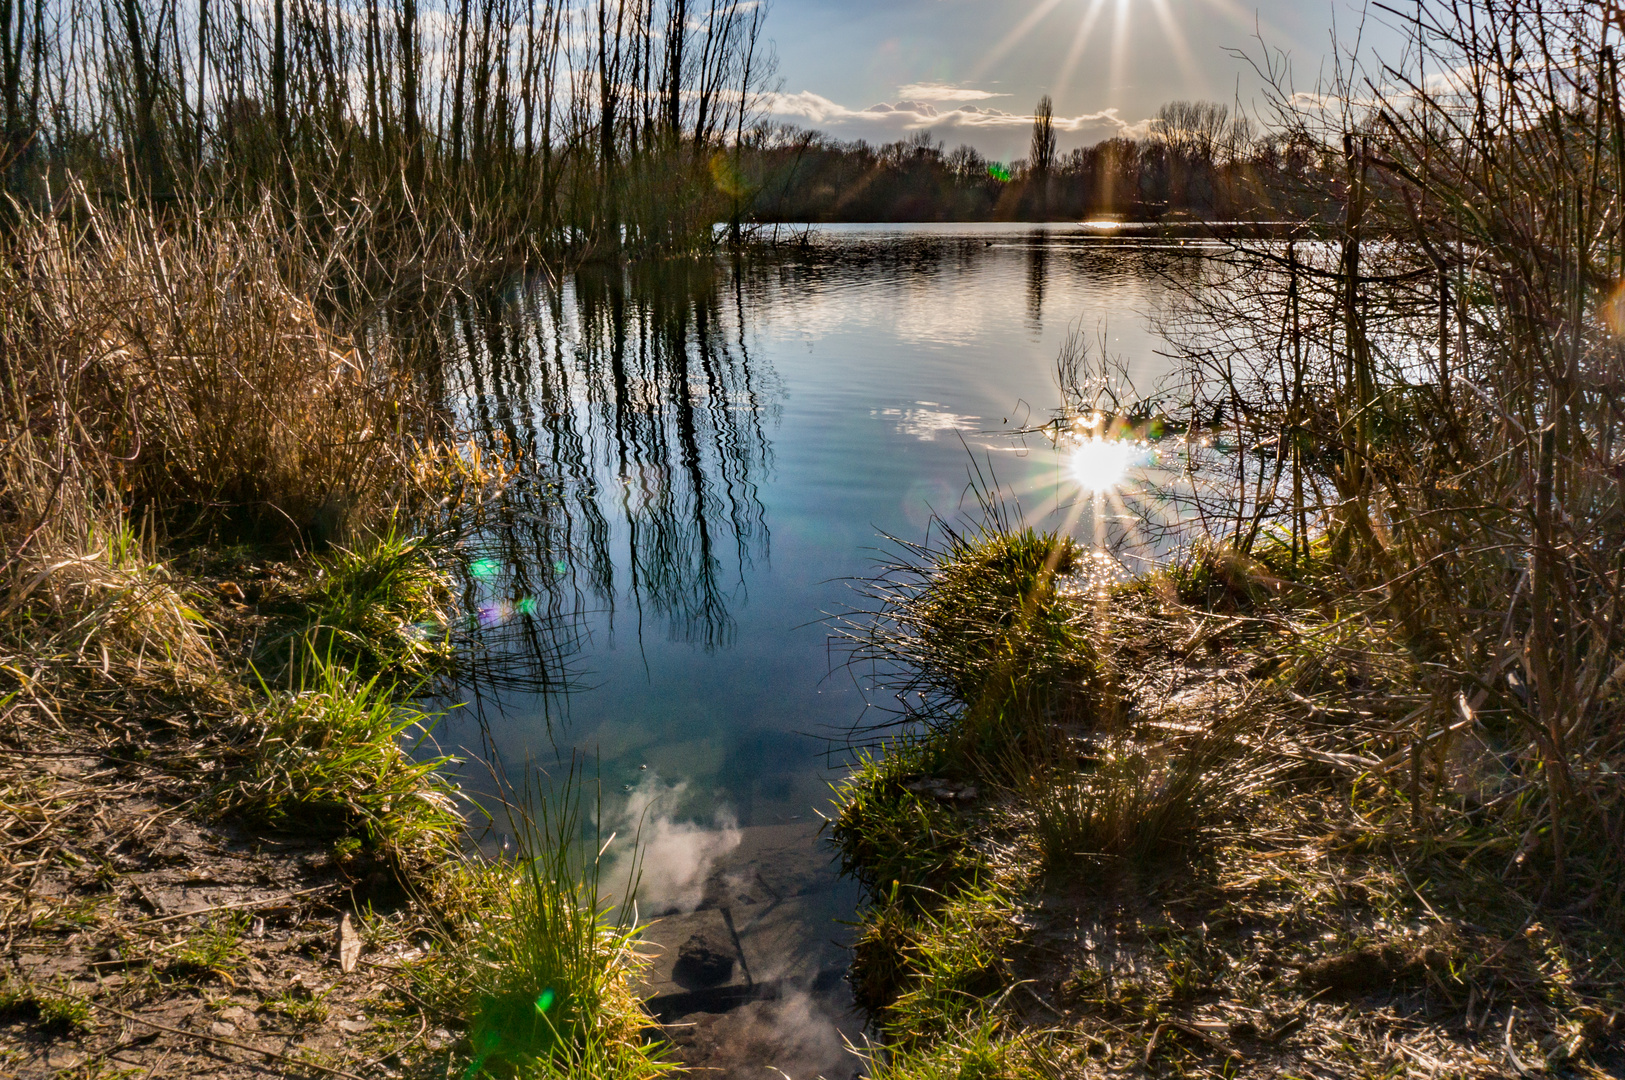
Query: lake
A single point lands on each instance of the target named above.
(708, 456)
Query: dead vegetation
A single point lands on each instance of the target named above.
(227, 847)
(1345, 796)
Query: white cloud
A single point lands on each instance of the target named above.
(672, 860)
(982, 126)
(927, 423)
(944, 92)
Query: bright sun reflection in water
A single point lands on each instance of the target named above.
(1101, 464)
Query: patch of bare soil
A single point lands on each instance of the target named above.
(1287, 954)
(139, 938)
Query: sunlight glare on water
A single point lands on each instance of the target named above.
(1101, 464)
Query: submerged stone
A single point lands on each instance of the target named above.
(702, 962)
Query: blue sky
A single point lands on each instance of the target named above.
(970, 70)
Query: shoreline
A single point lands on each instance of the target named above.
(154, 922)
(1267, 911)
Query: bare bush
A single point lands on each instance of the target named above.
(1429, 403)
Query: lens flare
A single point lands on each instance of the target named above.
(1613, 311)
(1101, 464)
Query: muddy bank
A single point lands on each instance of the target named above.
(141, 936)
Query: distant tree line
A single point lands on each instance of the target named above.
(1196, 159)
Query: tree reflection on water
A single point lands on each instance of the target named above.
(640, 424)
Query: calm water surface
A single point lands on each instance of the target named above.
(709, 455)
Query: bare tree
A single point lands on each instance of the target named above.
(1042, 158)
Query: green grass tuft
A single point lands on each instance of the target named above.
(337, 760)
(303, 1010)
(924, 972)
(541, 971)
(54, 1014)
(216, 948)
(994, 622)
(989, 642)
(981, 1050)
(886, 833)
(379, 607)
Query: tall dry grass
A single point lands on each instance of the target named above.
(165, 380)
(180, 369)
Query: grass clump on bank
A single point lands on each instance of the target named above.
(990, 618)
(99, 602)
(338, 758)
(925, 964)
(380, 605)
(975, 1051)
(898, 833)
(384, 605)
(1137, 802)
(540, 965)
(982, 644)
(990, 645)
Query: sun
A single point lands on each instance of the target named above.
(1100, 465)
